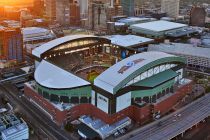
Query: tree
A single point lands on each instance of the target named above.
(69, 127)
(208, 89)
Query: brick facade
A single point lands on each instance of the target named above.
(139, 115)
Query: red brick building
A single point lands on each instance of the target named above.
(140, 87)
(139, 114)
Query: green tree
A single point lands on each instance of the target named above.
(69, 127)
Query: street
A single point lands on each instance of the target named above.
(201, 132)
(36, 116)
(176, 123)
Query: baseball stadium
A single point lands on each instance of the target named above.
(87, 75)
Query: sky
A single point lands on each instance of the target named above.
(15, 2)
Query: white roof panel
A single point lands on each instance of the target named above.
(14, 129)
(180, 48)
(51, 76)
(158, 26)
(128, 40)
(51, 44)
(110, 78)
(119, 24)
(134, 19)
(33, 30)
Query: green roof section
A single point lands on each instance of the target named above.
(168, 60)
(157, 79)
(87, 131)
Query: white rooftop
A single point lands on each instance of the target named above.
(119, 24)
(128, 40)
(180, 48)
(134, 19)
(11, 21)
(51, 44)
(14, 129)
(39, 20)
(105, 80)
(51, 76)
(62, 106)
(33, 30)
(158, 26)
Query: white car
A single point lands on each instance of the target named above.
(116, 134)
(157, 117)
(122, 131)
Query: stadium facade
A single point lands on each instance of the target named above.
(105, 83)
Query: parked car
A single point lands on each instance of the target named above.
(122, 131)
(116, 134)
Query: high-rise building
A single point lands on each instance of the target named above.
(197, 16)
(51, 9)
(128, 7)
(170, 7)
(97, 12)
(83, 8)
(101, 11)
(74, 13)
(63, 11)
(11, 44)
(67, 12)
(38, 7)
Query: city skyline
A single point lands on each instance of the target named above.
(16, 2)
(104, 69)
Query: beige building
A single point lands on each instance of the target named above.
(170, 7)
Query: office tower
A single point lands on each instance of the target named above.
(101, 11)
(38, 7)
(83, 8)
(74, 13)
(62, 12)
(97, 14)
(197, 16)
(51, 9)
(67, 12)
(11, 44)
(128, 7)
(170, 7)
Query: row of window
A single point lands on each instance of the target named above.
(154, 98)
(150, 73)
(64, 99)
(75, 44)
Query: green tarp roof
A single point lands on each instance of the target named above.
(87, 131)
(157, 79)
